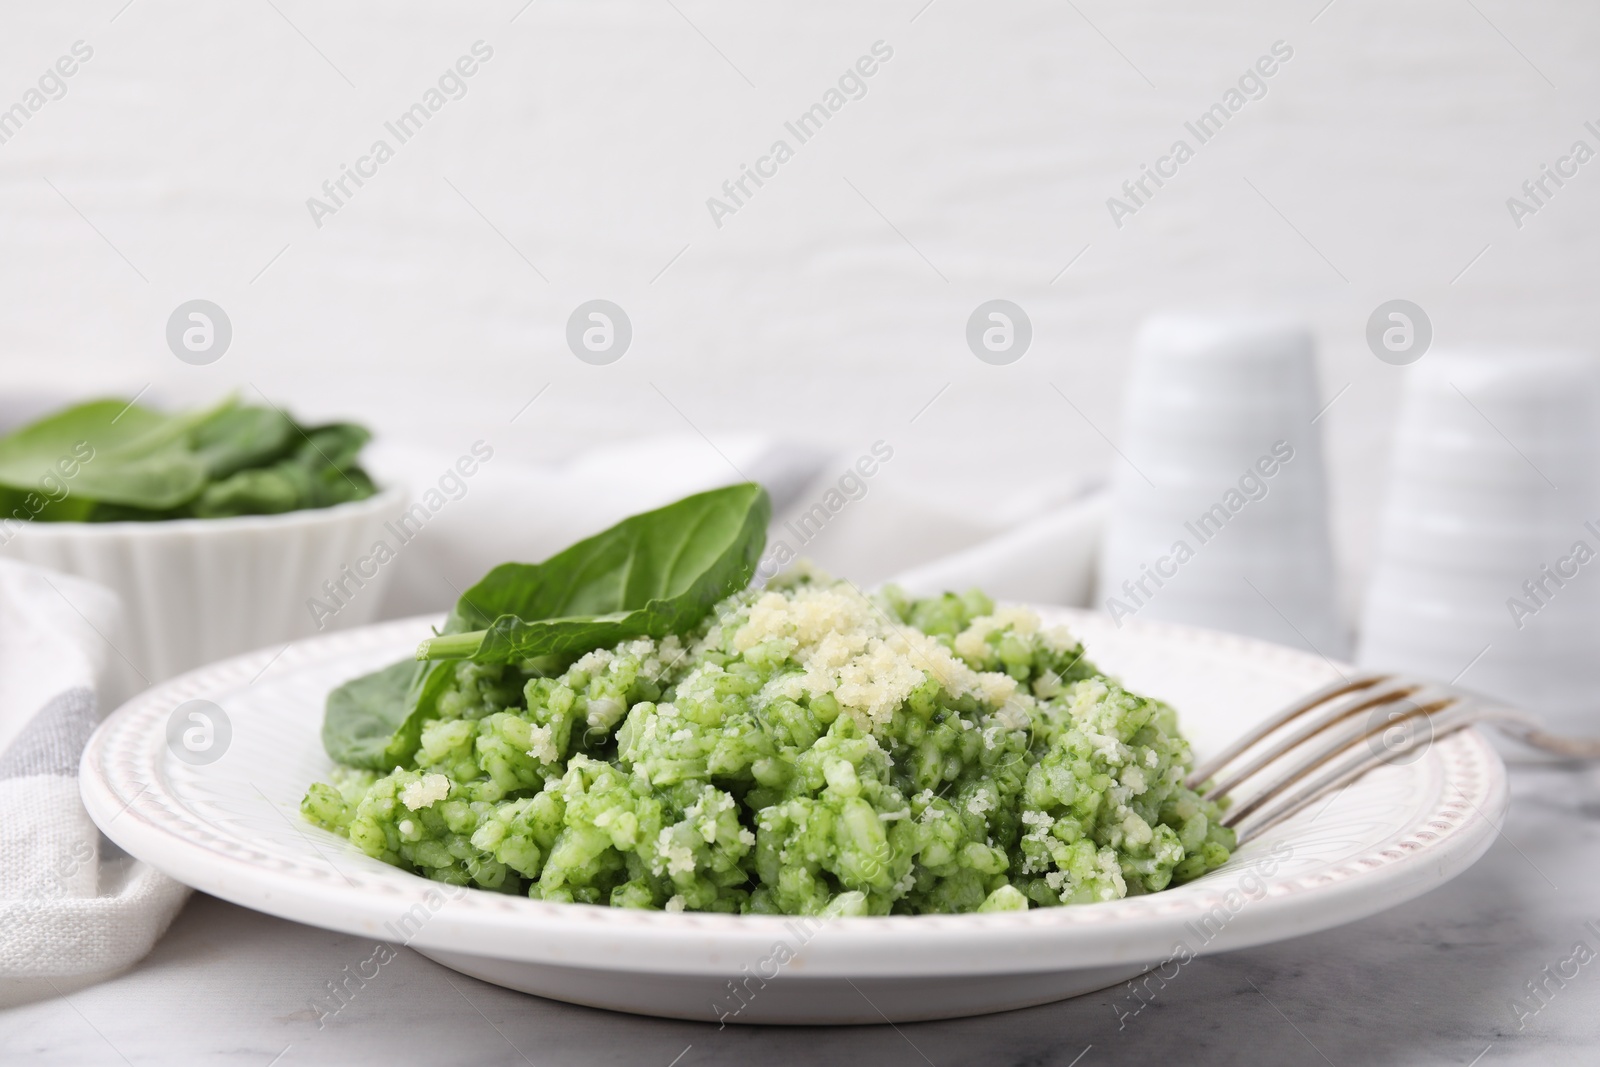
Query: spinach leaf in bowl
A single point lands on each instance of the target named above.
(112, 460)
(129, 455)
(319, 471)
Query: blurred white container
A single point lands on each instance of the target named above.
(1219, 515)
(198, 590)
(1495, 483)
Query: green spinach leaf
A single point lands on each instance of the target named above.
(319, 471)
(112, 461)
(650, 575)
(370, 721)
(135, 456)
(241, 437)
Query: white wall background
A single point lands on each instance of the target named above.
(593, 137)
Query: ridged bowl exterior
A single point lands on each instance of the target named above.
(199, 590)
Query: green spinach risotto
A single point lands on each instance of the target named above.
(799, 748)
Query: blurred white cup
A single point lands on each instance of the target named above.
(1488, 565)
(1219, 512)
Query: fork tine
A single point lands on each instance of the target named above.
(1420, 704)
(1209, 769)
(1334, 738)
(1266, 815)
(1330, 714)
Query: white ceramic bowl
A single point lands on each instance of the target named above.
(199, 590)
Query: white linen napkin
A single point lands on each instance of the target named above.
(73, 908)
(1039, 546)
(1046, 560)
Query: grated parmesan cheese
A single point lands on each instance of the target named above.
(543, 748)
(425, 791)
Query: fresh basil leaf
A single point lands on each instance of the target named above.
(362, 726)
(376, 721)
(648, 576)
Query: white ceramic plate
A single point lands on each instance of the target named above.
(232, 828)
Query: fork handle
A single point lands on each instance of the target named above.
(1530, 733)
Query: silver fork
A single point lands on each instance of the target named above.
(1333, 736)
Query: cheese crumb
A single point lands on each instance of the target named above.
(1014, 713)
(849, 648)
(425, 791)
(1058, 639)
(543, 748)
(680, 858)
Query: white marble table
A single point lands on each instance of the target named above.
(1431, 982)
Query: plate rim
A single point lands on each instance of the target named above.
(116, 782)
